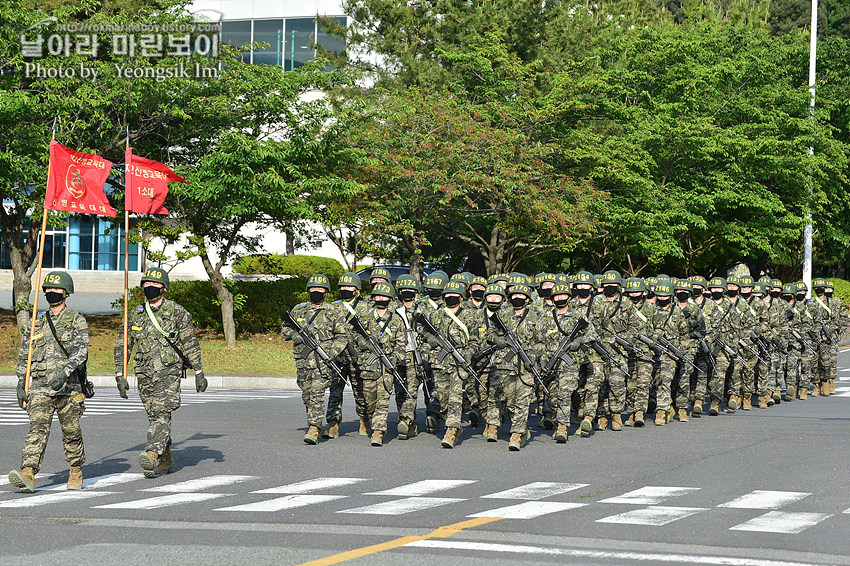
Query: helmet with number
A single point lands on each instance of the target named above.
(759, 289)
(59, 280)
(407, 282)
(319, 280)
(819, 282)
(789, 289)
(562, 278)
(776, 283)
(521, 289)
(801, 287)
(829, 284)
(157, 275)
(517, 278)
(765, 279)
(733, 280)
(717, 283)
(651, 282)
(496, 278)
(379, 273)
(478, 280)
(664, 289)
(698, 280)
(381, 289)
(561, 289)
(683, 285)
(745, 281)
(635, 285)
(436, 280)
(494, 289)
(584, 277)
(538, 279)
(461, 278)
(612, 276)
(350, 280)
(456, 287)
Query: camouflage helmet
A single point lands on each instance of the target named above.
(538, 279)
(478, 280)
(682, 285)
(829, 284)
(561, 289)
(381, 289)
(350, 280)
(651, 282)
(597, 280)
(381, 272)
(496, 278)
(157, 275)
(776, 283)
(819, 282)
(59, 280)
(461, 277)
(733, 280)
(436, 280)
(635, 285)
(407, 282)
(664, 289)
(494, 289)
(455, 287)
(548, 278)
(789, 289)
(760, 288)
(517, 278)
(319, 280)
(698, 280)
(801, 286)
(521, 289)
(584, 277)
(612, 276)
(717, 283)
(562, 278)
(765, 279)
(745, 281)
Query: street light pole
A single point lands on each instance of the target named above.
(807, 233)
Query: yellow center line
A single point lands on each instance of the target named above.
(440, 532)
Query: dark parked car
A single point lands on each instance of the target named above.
(395, 271)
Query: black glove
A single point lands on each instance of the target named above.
(200, 382)
(22, 395)
(57, 382)
(123, 386)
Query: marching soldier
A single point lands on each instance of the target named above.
(351, 304)
(806, 328)
(826, 323)
(590, 372)
(639, 379)
(60, 346)
(490, 390)
(688, 344)
(417, 374)
(720, 314)
(433, 302)
(668, 323)
(166, 345)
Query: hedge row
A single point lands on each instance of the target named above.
(276, 264)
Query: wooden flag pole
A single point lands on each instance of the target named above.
(126, 260)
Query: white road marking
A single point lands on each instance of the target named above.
(4, 480)
(402, 506)
(422, 487)
(163, 501)
(535, 491)
(782, 522)
(759, 499)
(529, 510)
(653, 516)
(99, 481)
(622, 556)
(650, 495)
(51, 498)
(311, 485)
(280, 503)
(200, 484)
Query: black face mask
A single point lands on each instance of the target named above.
(787, 298)
(732, 293)
(717, 295)
(518, 302)
(650, 295)
(493, 307)
(478, 294)
(407, 295)
(697, 293)
(683, 297)
(346, 294)
(663, 303)
(634, 299)
(746, 295)
(54, 298)
(582, 293)
(818, 290)
(801, 297)
(452, 302)
(774, 294)
(152, 293)
(828, 293)
(610, 290)
(561, 303)
(434, 293)
(382, 303)
(317, 297)
(545, 293)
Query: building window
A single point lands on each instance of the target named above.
(97, 245)
(238, 34)
(271, 32)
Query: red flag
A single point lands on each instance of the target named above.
(76, 182)
(147, 184)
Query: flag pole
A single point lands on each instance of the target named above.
(126, 255)
(38, 276)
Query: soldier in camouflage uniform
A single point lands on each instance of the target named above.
(433, 302)
(516, 380)
(719, 314)
(53, 386)
(790, 371)
(839, 324)
(688, 344)
(407, 288)
(158, 329)
(640, 364)
(387, 328)
(754, 323)
(553, 326)
(461, 325)
(779, 315)
(806, 330)
(768, 333)
(326, 323)
(668, 322)
(351, 303)
(490, 390)
(590, 371)
(477, 286)
(827, 326)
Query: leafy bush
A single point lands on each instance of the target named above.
(842, 289)
(276, 264)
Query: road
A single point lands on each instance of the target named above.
(759, 487)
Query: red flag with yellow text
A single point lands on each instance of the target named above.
(75, 183)
(146, 184)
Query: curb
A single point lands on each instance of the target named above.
(214, 382)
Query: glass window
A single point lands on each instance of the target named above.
(328, 43)
(298, 35)
(271, 32)
(237, 33)
(54, 249)
(97, 244)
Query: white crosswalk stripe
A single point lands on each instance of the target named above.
(535, 491)
(200, 483)
(312, 485)
(529, 510)
(97, 482)
(422, 487)
(163, 501)
(51, 498)
(782, 522)
(281, 503)
(650, 495)
(652, 516)
(402, 506)
(765, 499)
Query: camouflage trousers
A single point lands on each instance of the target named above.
(709, 377)
(313, 382)
(450, 381)
(806, 359)
(40, 408)
(561, 391)
(415, 380)
(589, 373)
(490, 396)
(610, 396)
(160, 394)
(680, 389)
(377, 388)
(826, 364)
(665, 373)
(743, 380)
(792, 371)
(776, 378)
(351, 371)
(518, 388)
(637, 386)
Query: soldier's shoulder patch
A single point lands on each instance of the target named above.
(140, 308)
(41, 314)
(136, 328)
(338, 302)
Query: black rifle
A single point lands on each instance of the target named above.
(676, 353)
(423, 368)
(705, 349)
(311, 345)
(448, 346)
(600, 349)
(760, 341)
(828, 334)
(516, 347)
(480, 356)
(730, 353)
(751, 350)
(799, 338)
(377, 350)
(561, 354)
(664, 347)
(630, 347)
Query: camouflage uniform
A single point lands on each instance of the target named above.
(688, 344)
(591, 368)
(349, 361)
(720, 322)
(48, 362)
(415, 376)
(618, 319)
(640, 369)
(777, 337)
(807, 353)
(667, 322)
(158, 367)
(826, 322)
(743, 379)
(764, 329)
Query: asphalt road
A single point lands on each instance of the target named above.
(759, 487)
(86, 303)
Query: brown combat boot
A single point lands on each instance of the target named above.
(660, 417)
(804, 393)
(670, 412)
(364, 427)
(683, 415)
(602, 423)
(23, 480)
(831, 384)
(166, 462)
(148, 460)
(561, 434)
(630, 421)
(790, 393)
(518, 439)
(777, 397)
(312, 436)
(639, 422)
(491, 433)
(378, 438)
(815, 389)
(748, 402)
(762, 401)
(450, 437)
(732, 404)
(75, 478)
(333, 430)
(617, 422)
(696, 412)
(586, 426)
(714, 410)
